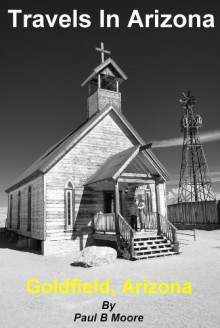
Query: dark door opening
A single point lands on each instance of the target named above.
(109, 202)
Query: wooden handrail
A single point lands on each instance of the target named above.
(168, 229)
(125, 222)
(171, 224)
(127, 233)
(188, 234)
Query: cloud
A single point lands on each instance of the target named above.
(172, 182)
(205, 137)
(167, 143)
(172, 196)
(217, 194)
(215, 176)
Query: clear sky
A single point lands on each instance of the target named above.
(42, 70)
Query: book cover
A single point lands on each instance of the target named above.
(110, 179)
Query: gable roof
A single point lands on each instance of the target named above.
(113, 165)
(55, 153)
(107, 63)
(130, 160)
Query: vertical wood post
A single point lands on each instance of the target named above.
(174, 235)
(157, 195)
(131, 244)
(99, 81)
(117, 206)
(165, 200)
(117, 86)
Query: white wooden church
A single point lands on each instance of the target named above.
(79, 192)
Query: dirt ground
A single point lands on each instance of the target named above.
(199, 264)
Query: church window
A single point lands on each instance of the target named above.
(69, 206)
(19, 209)
(10, 212)
(29, 210)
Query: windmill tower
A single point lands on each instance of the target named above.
(195, 184)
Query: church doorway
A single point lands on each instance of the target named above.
(109, 202)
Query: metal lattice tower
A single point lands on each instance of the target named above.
(195, 184)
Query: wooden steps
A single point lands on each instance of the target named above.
(154, 255)
(146, 246)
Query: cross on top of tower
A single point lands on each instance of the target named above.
(103, 51)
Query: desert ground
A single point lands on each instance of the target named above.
(199, 264)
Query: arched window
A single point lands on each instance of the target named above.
(19, 209)
(69, 206)
(29, 210)
(10, 212)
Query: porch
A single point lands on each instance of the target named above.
(104, 226)
(131, 174)
(137, 245)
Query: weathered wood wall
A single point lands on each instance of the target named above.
(107, 138)
(88, 201)
(100, 98)
(37, 209)
(72, 242)
(193, 213)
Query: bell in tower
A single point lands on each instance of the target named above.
(103, 85)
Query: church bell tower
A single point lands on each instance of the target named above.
(103, 85)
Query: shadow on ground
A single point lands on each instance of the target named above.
(12, 244)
